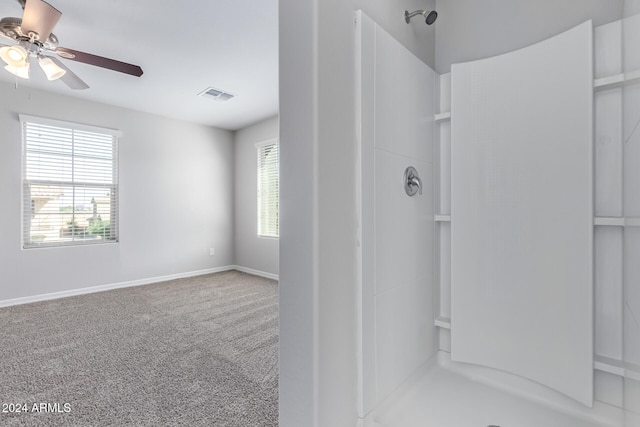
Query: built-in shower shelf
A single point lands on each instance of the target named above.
(632, 222)
(617, 80)
(443, 322)
(617, 221)
(609, 81)
(442, 218)
(616, 367)
(441, 117)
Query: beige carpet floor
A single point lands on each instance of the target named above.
(201, 351)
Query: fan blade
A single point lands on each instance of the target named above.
(39, 17)
(69, 78)
(99, 61)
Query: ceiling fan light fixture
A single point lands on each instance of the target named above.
(50, 68)
(34, 39)
(16, 56)
(22, 71)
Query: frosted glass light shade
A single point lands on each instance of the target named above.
(15, 56)
(51, 69)
(22, 72)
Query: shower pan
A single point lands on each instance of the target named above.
(506, 293)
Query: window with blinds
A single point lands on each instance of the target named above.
(268, 184)
(70, 183)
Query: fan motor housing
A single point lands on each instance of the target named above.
(11, 28)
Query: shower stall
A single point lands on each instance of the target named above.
(499, 212)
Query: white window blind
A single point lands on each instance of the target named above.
(70, 184)
(268, 188)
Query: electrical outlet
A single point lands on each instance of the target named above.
(212, 251)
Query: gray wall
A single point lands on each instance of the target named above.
(470, 30)
(176, 199)
(318, 211)
(251, 251)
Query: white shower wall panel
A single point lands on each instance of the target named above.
(608, 292)
(631, 136)
(402, 223)
(397, 254)
(522, 213)
(608, 153)
(631, 96)
(631, 42)
(404, 110)
(404, 100)
(608, 240)
(445, 169)
(609, 388)
(444, 85)
(632, 403)
(632, 297)
(608, 50)
(445, 271)
(404, 247)
(443, 207)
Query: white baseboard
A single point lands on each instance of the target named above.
(102, 288)
(256, 272)
(140, 282)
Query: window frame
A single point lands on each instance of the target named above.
(259, 146)
(26, 241)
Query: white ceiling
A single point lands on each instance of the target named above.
(183, 48)
(186, 46)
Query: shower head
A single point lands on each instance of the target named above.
(430, 16)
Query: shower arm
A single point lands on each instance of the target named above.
(430, 16)
(408, 16)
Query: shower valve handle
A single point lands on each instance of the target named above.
(412, 182)
(416, 182)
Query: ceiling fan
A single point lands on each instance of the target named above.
(35, 40)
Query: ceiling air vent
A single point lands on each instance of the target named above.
(216, 94)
